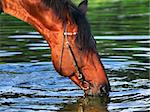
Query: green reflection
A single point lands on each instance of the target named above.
(87, 104)
(107, 17)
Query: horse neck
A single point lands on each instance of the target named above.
(35, 13)
(39, 16)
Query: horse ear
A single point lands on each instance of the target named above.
(83, 6)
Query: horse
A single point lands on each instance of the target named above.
(65, 28)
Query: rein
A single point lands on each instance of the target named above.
(65, 42)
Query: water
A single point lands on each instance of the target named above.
(29, 83)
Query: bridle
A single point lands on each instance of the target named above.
(65, 42)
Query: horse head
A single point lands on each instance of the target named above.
(66, 30)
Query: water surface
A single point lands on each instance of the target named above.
(28, 81)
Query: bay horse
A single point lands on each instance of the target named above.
(68, 34)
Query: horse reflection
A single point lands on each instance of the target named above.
(87, 104)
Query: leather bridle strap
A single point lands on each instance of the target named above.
(65, 39)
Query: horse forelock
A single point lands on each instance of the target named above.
(84, 40)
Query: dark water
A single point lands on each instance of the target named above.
(29, 83)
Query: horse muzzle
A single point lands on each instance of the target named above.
(100, 90)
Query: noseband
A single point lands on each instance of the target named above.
(65, 42)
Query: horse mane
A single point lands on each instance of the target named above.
(84, 40)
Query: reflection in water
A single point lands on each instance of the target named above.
(87, 104)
